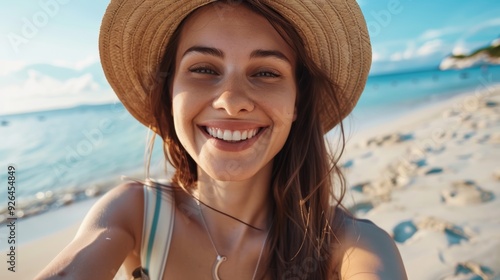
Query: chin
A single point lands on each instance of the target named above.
(230, 176)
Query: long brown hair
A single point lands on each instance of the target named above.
(306, 226)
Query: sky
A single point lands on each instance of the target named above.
(59, 32)
(406, 35)
(417, 34)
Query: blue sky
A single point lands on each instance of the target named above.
(416, 34)
(419, 33)
(67, 37)
(406, 35)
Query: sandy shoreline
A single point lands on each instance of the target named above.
(33, 256)
(431, 179)
(40, 238)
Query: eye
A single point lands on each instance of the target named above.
(267, 74)
(203, 70)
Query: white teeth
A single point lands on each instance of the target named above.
(236, 135)
(233, 136)
(228, 136)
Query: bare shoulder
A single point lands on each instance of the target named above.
(121, 207)
(110, 231)
(369, 253)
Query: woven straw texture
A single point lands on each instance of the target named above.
(134, 34)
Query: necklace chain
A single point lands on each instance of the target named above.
(220, 258)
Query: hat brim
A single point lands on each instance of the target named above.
(134, 34)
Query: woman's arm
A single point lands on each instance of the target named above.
(370, 254)
(111, 229)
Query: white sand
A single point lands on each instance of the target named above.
(33, 256)
(453, 209)
(40, 238)
(454, 191)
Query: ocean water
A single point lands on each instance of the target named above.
(66, 151)
(390, 96)
(69, 150)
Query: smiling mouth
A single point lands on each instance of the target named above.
(232, 135)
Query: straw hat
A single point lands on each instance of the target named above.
(134, 34)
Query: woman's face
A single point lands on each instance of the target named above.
(233, 93)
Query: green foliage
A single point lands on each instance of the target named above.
(494, 51)
(490, 51)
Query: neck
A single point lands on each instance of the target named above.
(247, 200)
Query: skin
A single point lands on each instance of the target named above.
(222, 80)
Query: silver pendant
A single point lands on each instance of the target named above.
(218, 262)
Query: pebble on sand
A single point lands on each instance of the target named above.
(404, 231)
(454, 233)
(433, 170)
(481, 271)
(361, 207)
(466, 192)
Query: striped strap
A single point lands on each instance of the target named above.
(159, 210)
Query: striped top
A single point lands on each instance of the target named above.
(157, 229)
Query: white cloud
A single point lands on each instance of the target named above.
(89, 60)
(467, 31)
(460, 49)
(376, 56)
(431, 34)
(413, 51)
(10, 66)
(483, 25)
(77, 65)
(466, 45)
(398, 56)
(17, 104)
(430, 47)
(495, 42)
(42, 92)
(408, 53)
(38, 84)
(432, 42)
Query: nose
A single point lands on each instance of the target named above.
(233, 98)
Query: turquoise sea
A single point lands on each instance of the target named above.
(387, 96)
(59, 154)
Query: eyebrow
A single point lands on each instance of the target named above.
(255, 54)
(204, 50)
(269, 53)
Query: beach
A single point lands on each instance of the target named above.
(430, 178)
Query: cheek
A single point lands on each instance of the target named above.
(186, 107)
(284, 111)
(182, 103)
(180, 116)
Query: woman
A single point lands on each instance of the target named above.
(242, 94)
